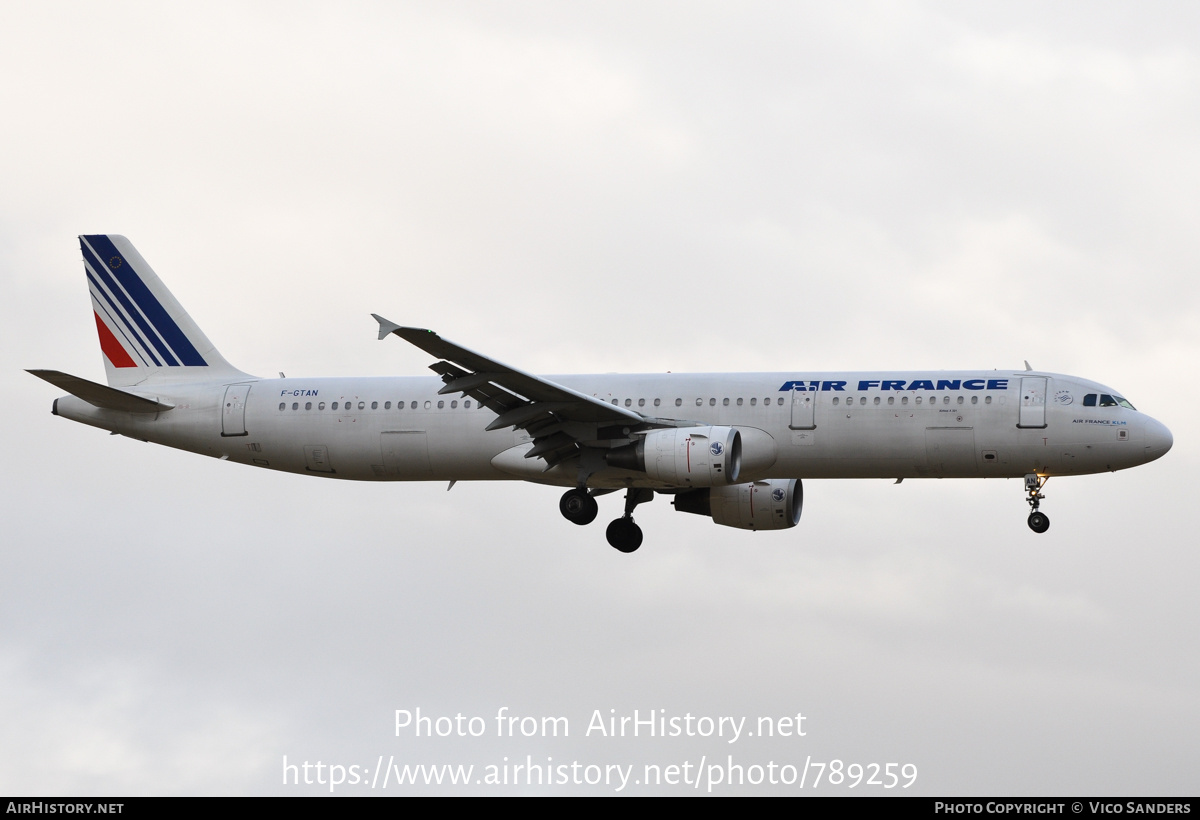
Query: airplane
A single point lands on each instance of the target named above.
(731, 446)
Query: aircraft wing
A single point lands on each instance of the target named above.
(549, 412)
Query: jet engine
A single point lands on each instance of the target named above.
(684, 456)
(773, 504)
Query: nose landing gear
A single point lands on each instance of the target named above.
(1038, 522)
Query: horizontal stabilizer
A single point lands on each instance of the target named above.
(98, 395)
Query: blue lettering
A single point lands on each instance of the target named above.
(948, 384)
(898, 384)
(973, 384)
(827, 386)
(997, 384)
(867, 385)
(921, 384)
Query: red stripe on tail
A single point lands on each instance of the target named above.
(111, 347)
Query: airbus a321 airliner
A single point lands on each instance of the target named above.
(731, 446)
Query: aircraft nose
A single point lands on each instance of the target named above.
(1158, 439)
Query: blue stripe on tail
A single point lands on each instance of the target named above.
(181, 347)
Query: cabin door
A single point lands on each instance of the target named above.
(1033, 402)
(233, 410)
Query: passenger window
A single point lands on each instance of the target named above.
(987, 399)
(387, 405)
(904, 399)
(282, 405)
(699, 402)
(891, 399)
(413, 406)
(960, 399)
(454, 404)
(467, 404)
(362, 405)
(678, 402)
(441, 404)
(428, 404)
(974, 399)
(641, 402)
(374, 405)
(657, 402)
(295, 405)
(628, 402)
(835, 401)
(877, 400)
(724, 402)
(863, 401)
(779, 401)
(308, 405)
(753, 402)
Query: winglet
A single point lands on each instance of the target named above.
(386, 328)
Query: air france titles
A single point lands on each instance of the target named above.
(817, 386)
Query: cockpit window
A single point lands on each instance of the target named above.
(1107, 401)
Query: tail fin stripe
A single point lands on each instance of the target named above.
(131, 311)
(116, 316)
(112, 348)
(119, 335)
(151, 307)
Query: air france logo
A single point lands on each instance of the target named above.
(716, 448)
(778, 494)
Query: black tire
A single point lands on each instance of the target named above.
(624, 535)
(578, 507)
(1039, 522)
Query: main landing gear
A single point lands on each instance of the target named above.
(622, 533)
(579, 507)
(1038, 522)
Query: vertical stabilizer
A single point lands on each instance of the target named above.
(145, 334)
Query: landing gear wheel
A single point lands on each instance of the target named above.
(1039, 522)
(578, 507)
(624, 535)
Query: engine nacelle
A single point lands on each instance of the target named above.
(684, 456)
(774, 504)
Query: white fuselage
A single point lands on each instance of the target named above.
(824, 425)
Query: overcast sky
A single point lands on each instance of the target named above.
(596, 188)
